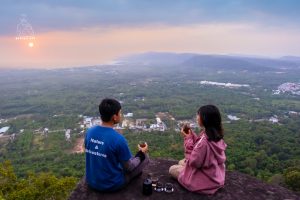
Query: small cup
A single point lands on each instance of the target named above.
(169, 188)
(186, 128)
(154, 180)
(159, 187)
(149, 175)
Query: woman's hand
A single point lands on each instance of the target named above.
(186, 130)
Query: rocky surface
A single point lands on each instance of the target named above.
(237, 186)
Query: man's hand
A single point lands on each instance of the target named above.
(143, 149)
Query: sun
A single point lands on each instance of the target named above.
(30, 44)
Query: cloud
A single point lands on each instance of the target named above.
(52, 15)
(93, 46)
(74, 33)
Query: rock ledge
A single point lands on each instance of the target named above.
(237, 186)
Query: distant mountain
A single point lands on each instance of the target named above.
(269, 62)
(156, 58)
(291, 58)
(223, 63)
(218, 62)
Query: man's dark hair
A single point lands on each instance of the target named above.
(211, 120)
(108, 108)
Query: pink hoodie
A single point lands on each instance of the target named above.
(205, 164)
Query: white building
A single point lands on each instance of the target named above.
(158, 127)
(68, 134)
(12, 137)
(4, 129)
(128, 115)
(232, 117)
(293, 113)
(96, 121)
(45, 132)
(230, 85)
(140, 123)
(274, 119)
(158, 120)
(125, 123)
(88, 122)
(118, 127)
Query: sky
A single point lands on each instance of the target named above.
(72, 33)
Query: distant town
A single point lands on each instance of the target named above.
(288, 88)
(292, 88)
(157, 124)
(141, 124)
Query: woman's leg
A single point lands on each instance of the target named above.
(175, 170)
(182, 162)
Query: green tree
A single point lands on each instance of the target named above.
(35, 187)
(7, 177)
(292, 179)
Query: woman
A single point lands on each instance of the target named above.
(203, 169)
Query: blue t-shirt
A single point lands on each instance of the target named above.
(105, 149)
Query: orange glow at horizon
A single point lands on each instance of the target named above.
(92, 46)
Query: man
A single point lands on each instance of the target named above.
(109, 163)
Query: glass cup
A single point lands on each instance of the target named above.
(169, 188)
(186, 128)
(149, 175)
(154, 180)
(159, 187)
(142, 144)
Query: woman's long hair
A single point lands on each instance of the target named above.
(211, 120)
